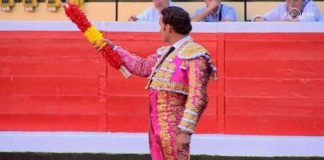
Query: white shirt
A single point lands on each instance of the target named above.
(181, 41)
(310, 13)
(151, 14)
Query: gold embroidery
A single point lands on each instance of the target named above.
(168, 65)
(169, 86)
(165, 120)
(183, 65)
(163, 74)
(190, 116)
(187, 125)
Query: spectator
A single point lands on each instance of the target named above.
(214, 12)
(152, 14)
(292, 10)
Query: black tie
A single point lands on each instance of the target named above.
(170, 50)
(166, 55)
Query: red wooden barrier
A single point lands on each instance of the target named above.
(55, 81)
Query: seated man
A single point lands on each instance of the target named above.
(152, 14)
(292, 10)
(214, 12)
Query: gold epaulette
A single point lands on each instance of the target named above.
(192, 51)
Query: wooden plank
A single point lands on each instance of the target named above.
(127, 113)
(274, 50)
(19, 66)
(274, 125)
(293, 88)
(281, 107)
(284, 37)
(49, 85)
(275, 69)
(51, 104)
(221, 84)
(49, 47)
(134, 86)
(209, 119)
(52, 122)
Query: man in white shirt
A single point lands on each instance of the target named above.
(152, 14)
(292, 10)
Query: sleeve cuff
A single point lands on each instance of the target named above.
(188, 121)
(184, 129)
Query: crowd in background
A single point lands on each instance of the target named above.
(215, 11)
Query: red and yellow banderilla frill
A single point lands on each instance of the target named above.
(95, 37)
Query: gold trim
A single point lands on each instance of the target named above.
(170, 86)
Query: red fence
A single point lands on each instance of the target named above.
(269, 83)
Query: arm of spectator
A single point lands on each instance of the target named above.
(141, 17)
(273, 15)
(132, 18)
(213, 4)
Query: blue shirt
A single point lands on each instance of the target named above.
(322, 18)
(226, 12)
